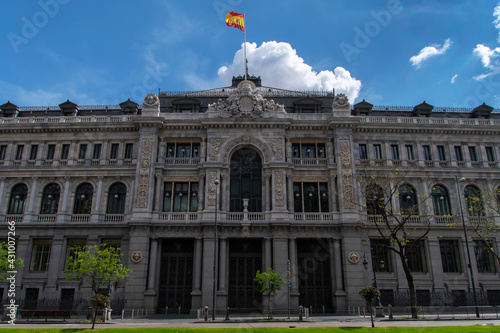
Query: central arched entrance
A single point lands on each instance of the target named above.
(246, 180)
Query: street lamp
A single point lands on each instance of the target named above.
(467, 244)
(381, 265)
(216, 182)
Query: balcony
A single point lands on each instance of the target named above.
(182, 216)
(46, 218)
(309, 161)
(182, 161)
(113, 218)
(14, 218)
(313, 216)
(80, 218)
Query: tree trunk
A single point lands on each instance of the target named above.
(270, 304)
(411, 287)
(94, 315)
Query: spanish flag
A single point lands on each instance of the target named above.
(236, 20)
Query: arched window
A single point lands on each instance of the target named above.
(116, 199)
(408, 200)
(246, 180)
(473, 201)
(498, 198)
(83, 199)
(18, 199)
(441, 201)
(50, 199)
(375, 201)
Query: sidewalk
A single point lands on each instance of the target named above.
(315, 321)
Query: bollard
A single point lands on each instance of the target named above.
(132, 314)
(364, 312)
(390, 312)
(301, 313)
(206, 313)
(310, 309)
(227, 313)
(179, 311)
(123, 313)
(359, 311)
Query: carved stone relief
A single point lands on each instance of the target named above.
(212, 188)
(278, 188)
(144, 170)
(277, 147)
(347, 180)
(215, 145)
(246, 140)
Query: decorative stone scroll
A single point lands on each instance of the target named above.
(212, 188)
(215, 145)
(347, 180)
(144, 170)
(277, 147)
(246, 141)
(245, 102)
(278, 188)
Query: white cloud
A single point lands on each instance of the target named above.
(487, 56)
(454, 78)
(496, 14)
(429, 51)
(279, 66)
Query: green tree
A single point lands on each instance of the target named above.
(369, 293)
(101, 265)
(269, 282)
(8, 261)
(402, 229)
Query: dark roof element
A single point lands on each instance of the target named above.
(9, 109)
(129, 106)
(308, 101)
(362, 108)
(482, 111)
(423, 109)
(69, 108)
(255, 79)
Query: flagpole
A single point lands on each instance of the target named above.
(245, 46)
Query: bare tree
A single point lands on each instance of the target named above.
(402, 229)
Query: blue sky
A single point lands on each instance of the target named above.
(388, 52)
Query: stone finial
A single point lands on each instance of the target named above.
(151, 106)
(341, 106)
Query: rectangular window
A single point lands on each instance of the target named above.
(458, 153)
(311, 197)
(395, 152)
(409, 152)
(450, 257)
(96, 154)
(427, 153)
(415, 253)
(381, 252)
(115, 243)
(73, 244)
(67, 298)
(114, 151)
(83, 152)
(181, 150)
(33, 152)
(441, 153)
(41, 255)
(363, 154)
(65, 152)
(472, 154)
(50, 152)
(19, 152)
(377, 151)
(31, 299)
(129, 148)
(3, 150)
(183, 197)
(484, 257)
(490, 154)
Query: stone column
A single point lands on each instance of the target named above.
(98, 200)
(207, 275)
(340, 294)
(63, 210)
(2, 203)
(201, 193)
(436, 266)
(267, 253)
(265, 192)
(280, 265)
(153, 254)
(56, 266)
(222, 292)
(197, 269)
(159, 193)
(162, 151)
(223, 197)
(332, 196)
(292, 254)
(29, 216)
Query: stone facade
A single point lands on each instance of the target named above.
(144, 178)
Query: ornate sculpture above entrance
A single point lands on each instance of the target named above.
(245, 102)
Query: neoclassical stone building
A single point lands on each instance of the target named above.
(279, 172)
